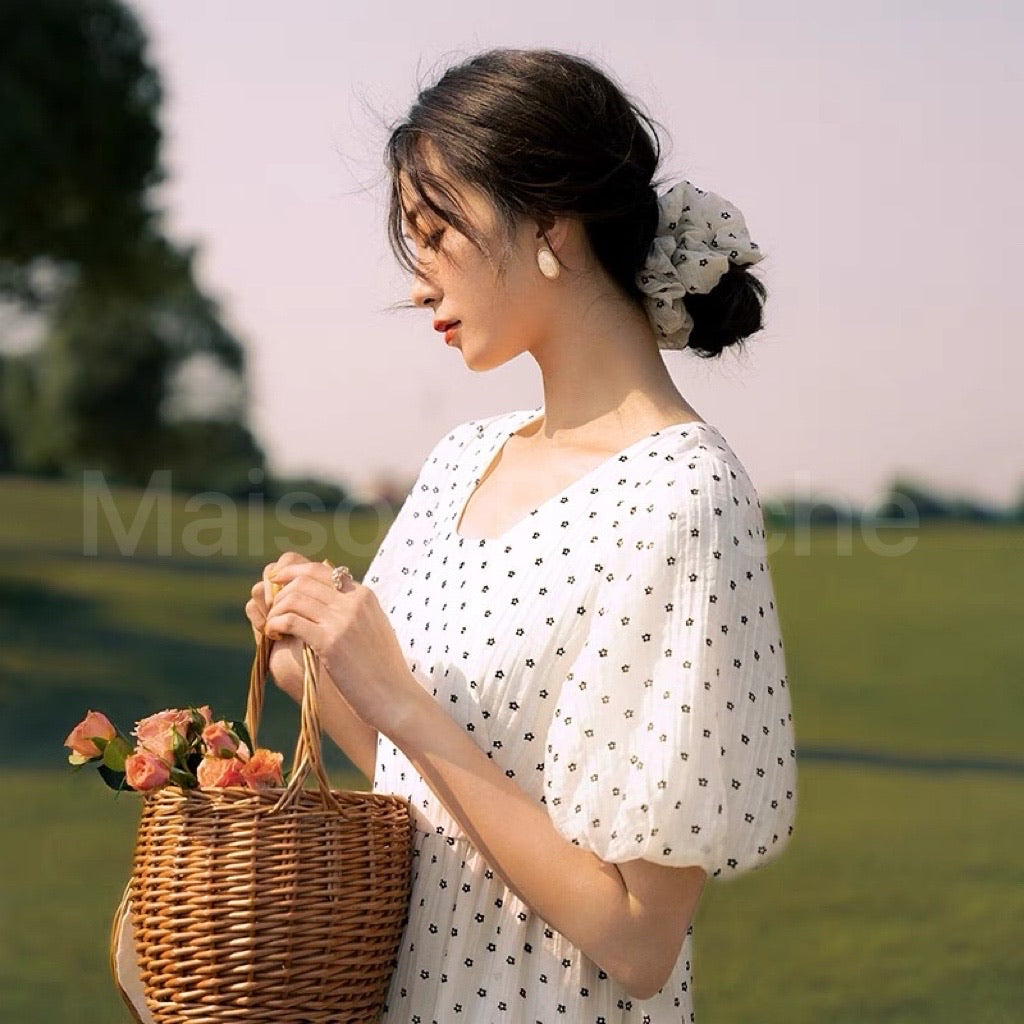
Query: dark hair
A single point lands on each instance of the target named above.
(544, 133)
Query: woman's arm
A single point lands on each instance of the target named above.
(630, 919)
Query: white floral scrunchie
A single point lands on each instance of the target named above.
(699, 234)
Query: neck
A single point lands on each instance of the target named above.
(603, 375)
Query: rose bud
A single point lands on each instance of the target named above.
(217, 772)
(145, 772)
(95, 725)
(263, 769)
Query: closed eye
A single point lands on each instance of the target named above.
(432, 241)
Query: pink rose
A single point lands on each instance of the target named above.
(263, 769)
(220, 741)
(218, 772)
(144, 772)
(156, 733)
(95, 725)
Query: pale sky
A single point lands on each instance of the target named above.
(875, 149)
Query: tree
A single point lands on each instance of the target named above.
(80, 106)
(82, 246)
(907, 499)
(100, 391)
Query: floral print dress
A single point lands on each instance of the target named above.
(617, 653)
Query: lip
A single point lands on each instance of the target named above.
(449, 327)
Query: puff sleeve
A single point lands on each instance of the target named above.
(672, 737)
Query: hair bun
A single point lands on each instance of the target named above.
(701, 240)
(726, 315)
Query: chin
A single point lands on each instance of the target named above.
(490, 358)
(482, 366)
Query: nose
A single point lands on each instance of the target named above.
(423, 292)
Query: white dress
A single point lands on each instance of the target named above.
(617, 652)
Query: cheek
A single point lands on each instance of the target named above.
(515, 314)
(512, 306)
(518, 291)
(530, 306)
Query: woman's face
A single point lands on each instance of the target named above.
(499, 314)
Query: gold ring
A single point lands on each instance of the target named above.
(339, 576)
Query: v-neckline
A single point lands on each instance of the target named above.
(503, 437)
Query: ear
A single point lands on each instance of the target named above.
(555, 231)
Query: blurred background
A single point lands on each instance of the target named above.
(200, 368)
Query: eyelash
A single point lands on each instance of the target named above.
(432, 240)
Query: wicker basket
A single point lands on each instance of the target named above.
(269, 907)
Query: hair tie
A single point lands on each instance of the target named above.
(699, 234)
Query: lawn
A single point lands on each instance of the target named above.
(899, 900)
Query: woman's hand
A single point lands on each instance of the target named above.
(350, 633)
(285, 653)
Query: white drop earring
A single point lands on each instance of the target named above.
(548, 264)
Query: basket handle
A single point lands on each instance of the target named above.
(308, 749)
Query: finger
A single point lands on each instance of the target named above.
(292, 558)
(310, 605)
(270, 588)
(268, 593)
(285, 624)
(317, 571)
(297, 606)
(255, 614)
(286, 558)
(259, 594)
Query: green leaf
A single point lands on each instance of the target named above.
(115, 754)
(184, 779)
(197, 721)
(239, 729)
(179, 743)
(115, 780)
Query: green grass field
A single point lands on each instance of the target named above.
(899, 900)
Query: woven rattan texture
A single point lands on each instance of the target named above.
(270, 906)
(244, 913)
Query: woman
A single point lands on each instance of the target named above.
(565, 652)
